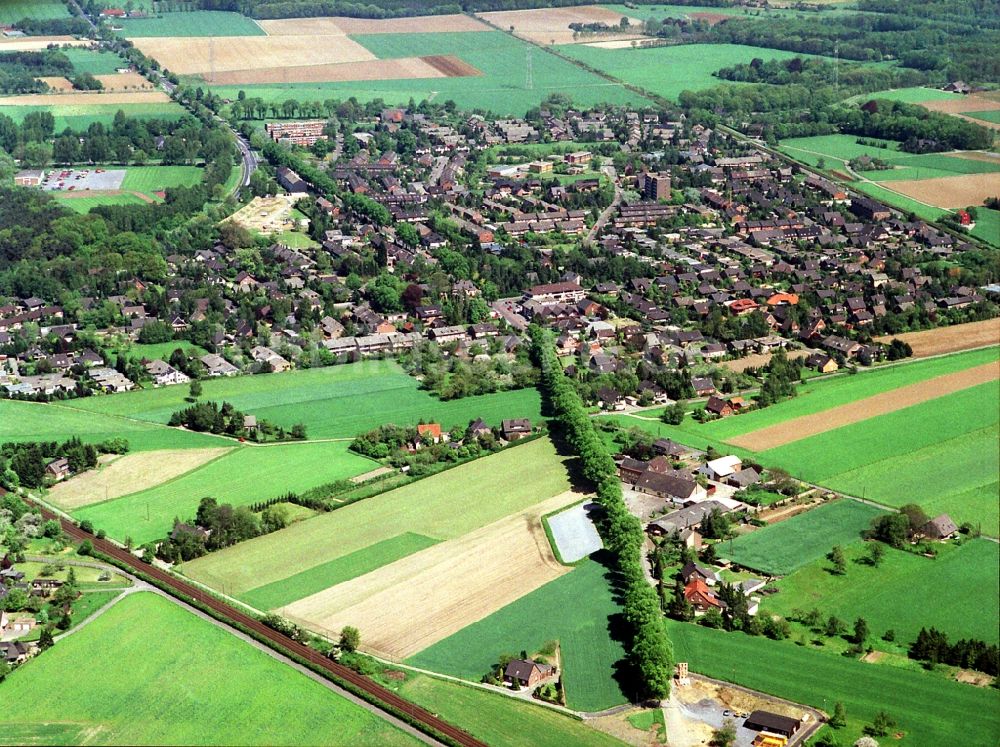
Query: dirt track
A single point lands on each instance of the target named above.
(129, 474)
(863, 409)
(950, 339)
(406, 606)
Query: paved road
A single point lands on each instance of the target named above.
(606, 214)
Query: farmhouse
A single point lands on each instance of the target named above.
(721, 468)
(772, 722)
(58, 469)
(689, 517)
(941, 527)
(675, 487)
(702, 598)
(527, 673)
(431, 431)
(515, 429)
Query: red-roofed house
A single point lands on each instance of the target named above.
(113, 13)
(431, 430)
(701, 597)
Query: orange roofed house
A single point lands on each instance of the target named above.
(431, 431)
(701, 597)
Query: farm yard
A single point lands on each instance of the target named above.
(905, 592)
(782, 548)
(333, 402)
(240, 477)
(205, 682)
(578, 610)
(437, 507)
(930, 710)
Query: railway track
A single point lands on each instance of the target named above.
(381, 694)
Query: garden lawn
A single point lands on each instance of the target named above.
(931, 710)
(32, 421)
(443, 506)
(501, 89)
(953, 593)
(94, 62)
(333, 402)
(166, 676)
(941, 454)
(191, 23)
(12, 11)
(666, 71)
(240, 477)
(501, 721)
(782, 548)
(578, 610)
(279, 593)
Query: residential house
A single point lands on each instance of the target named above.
(939, 528)
(697, 593)
(58, 469)
(515, 429)
(218, 366)
(527, 673)
(695, 570)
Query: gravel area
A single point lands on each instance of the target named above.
(574, 533)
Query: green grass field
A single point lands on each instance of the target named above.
(443, 506)
(987, 225)
(931, 710)
(31, 421)
(191, 23)
(577, 609)
(240, 477)
(166, 676)
(333, 402)
(12, 11)
(150, 179)
(906, 592)
(80, 117)
(667, 71)
(94, 62)
(279, 593)
(908, 95)
(501, 721)
(900, 202)
(990, 115)
(782, 548)
(84, 204)
(941, 454)
(501, 89)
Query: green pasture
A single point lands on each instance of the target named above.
(78, 117)
(931, 166)
(279, 593)
(12, 11)
(666, 71)
(908, 95)
(501, 89)
(93, 61)
(578, 610)
(166, 676)
(990, 115)
(898, 201)
(501, 721)
(240, 477)
(782, 548)
(987, 225)
(443, 506)
(941, 454)
(930, 709)
(190, 23)
(33, 421)
(838, 147)
(906, 592)
(333, 402)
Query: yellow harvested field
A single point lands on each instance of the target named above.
(92, 97)
(406, 606)
(194, 55)
(863, 409)
(399, 68)
(129, 474)
(57, 83)
(34, 43)
(341, 26)
(970, 103)
(124, 82)
(759, 360)
(950, 339)
(950, 191)
(551, 25)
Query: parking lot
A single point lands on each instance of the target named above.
(82, 180)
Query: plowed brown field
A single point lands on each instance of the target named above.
(406, 606)
(950, 339)
(869, 407)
